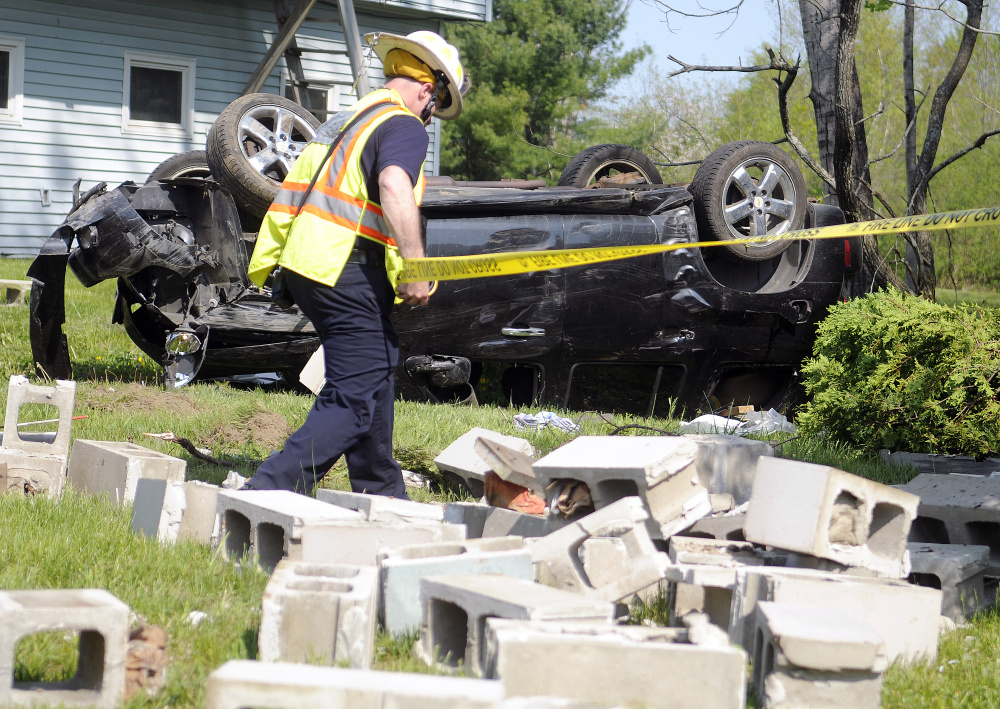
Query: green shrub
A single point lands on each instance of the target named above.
(899, 372)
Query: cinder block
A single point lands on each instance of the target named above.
(267, 525)
(561, 557)
(113, 468)
(958, 509)
(811, 656)
(830, 514)
(509, 464)
(456, 609)
(62, 396)
(402, 569)
(319, 613)
(904, 616)
(659, 470)
(378, 508)
(689, 550)
(32, 473)
(483, 521)
(102, 623)
(461, 460)
(13, 292)
(243, 683)
(728, 527)
(958, 571)
(727, 464)
(359, 543)
(36, 462)
(615, 666)
(176, 511)
(700, 589)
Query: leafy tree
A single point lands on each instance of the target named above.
(535, 69)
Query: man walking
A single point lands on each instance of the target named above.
(343, 220)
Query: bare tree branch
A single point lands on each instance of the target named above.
(878, 112)
(980, 141)
(783, 86)
(940, 8)
(902, 140)
(777, 63)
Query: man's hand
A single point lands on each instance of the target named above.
(414, 293)
(401, 211)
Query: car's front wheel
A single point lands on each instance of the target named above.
(749, 189)
(252, 145)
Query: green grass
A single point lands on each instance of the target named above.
(79, 542)
(948, 296)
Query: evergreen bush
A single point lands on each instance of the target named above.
(899, 372)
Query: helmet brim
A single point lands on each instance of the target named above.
(384, 42)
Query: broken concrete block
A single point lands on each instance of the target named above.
(32, 473)
(659, 470)
(509, 464)
(614, 666)
(812, 656)
(700, 589)
(690, 550)
(561, 557)
(727, 464)
(461, 460)
(905, 616)
(351, 542)
(958, 571)
(456, 609)
(102, 622)
(173, 511)
(728, 527)
(113, 468)
(958, 510)
(320, 614)
(267, 525)
(243, 683)
(830, 514)
(313, 375)
(62, 396)
(402, 569)
(13, 292)
(487, 521)
(378, 508)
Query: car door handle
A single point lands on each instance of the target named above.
(523, 331)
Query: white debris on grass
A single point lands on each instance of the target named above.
(544, 419)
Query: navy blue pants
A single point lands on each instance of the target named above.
(353, 414)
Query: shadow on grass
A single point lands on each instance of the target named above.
(250, 642)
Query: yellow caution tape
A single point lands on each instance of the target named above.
(509, 263)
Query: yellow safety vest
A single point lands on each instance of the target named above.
(315, 239)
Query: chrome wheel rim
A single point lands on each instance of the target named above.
(759, 201)
(272, 138)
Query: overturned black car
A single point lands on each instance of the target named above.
(702, 327)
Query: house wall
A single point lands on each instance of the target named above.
(74, 54)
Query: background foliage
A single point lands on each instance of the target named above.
(899, 372)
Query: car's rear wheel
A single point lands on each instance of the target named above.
(192, 164)
(252, 145)
(614, 163)
(749, 189)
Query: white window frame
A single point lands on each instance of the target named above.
(14, 113)
(186, 67)
(333, 91)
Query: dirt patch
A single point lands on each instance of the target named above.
(139, 398)
(266, 429)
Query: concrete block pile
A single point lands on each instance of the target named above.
(814, 578)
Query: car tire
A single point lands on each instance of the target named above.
(745, 188)
(253, 144)
(590, 165)
(191, 164)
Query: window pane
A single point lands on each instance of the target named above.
(155, 95)
(317, 100)
(4, 79)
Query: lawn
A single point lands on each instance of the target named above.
(79, 542)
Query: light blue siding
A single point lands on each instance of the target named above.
(71, 126)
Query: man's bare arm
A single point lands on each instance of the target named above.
(401, 211)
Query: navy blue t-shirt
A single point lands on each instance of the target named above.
(401, 141)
